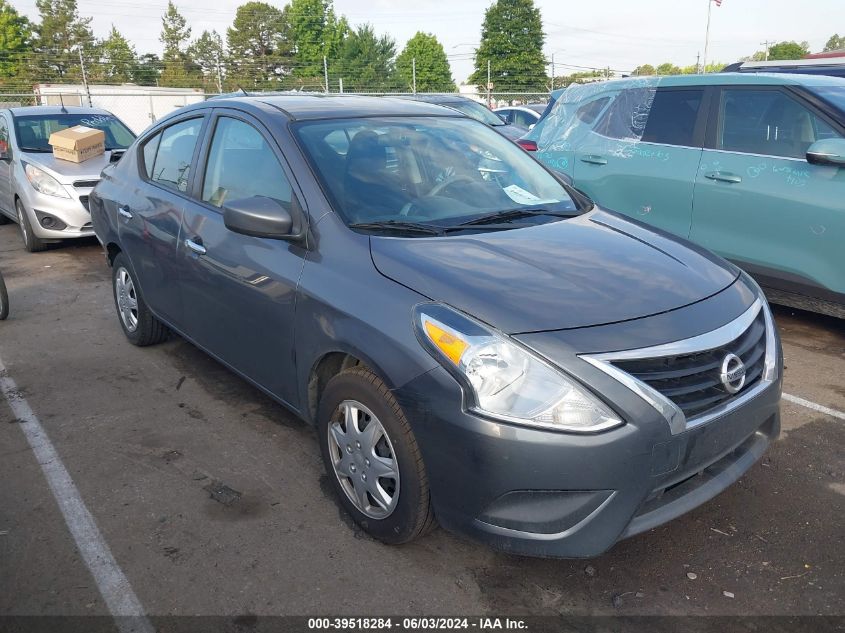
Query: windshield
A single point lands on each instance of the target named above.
(33, 131)
(832, 94)
(438, 171)
(477, 112)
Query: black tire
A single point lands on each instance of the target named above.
(412, 515)
(4, 300)
(31, 242)
(148, 329)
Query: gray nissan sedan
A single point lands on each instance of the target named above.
(477, 344)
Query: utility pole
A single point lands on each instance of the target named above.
(85, 78)
(326, 73)
(766, 49)
(414, 71)
(698, 62)
(553, 71)
(219, 76)
(488, 83)
(340, 84)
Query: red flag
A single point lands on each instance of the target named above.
(718, 3)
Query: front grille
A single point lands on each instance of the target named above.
(84, 201)
(85, 184)
(692, 380)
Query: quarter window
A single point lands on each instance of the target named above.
(590, 111)
(768, 122)
(168, 156)
(242, 165)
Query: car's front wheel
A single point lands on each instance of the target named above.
(31, 242)
(139, 324)
(372, 458)
(4, 300)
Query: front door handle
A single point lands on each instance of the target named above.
(723, 176)
(196, 247)
(594, 159)
(123, 210)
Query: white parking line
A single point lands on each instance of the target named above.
(814, 406)
(117, 593)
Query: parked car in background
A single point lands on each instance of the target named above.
(749, 166)
(522, 115)
(47, 196)
(474, 341)
(474, 110)
(831, 65)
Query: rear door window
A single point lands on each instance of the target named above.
(768, 122)
(174, 154)
(673, 115)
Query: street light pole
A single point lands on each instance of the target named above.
(488, 83)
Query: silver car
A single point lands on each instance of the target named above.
(46, 196)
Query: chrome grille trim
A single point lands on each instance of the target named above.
(678, 422)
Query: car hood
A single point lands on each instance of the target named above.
(65, 171)
(594, 269)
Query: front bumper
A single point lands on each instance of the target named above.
(72, 212)
(544, 493)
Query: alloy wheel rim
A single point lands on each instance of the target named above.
(363, 459)
(127, 299)
(21, 222)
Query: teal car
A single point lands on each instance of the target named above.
(751, 167)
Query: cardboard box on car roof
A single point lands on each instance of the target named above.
(78, 144)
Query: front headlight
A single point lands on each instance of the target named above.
(43, 182)
(506, 381)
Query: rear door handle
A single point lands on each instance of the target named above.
(196, 247)
(593, 159)
(123, 210)
(723, 176)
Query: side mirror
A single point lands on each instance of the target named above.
(260, 216)
(829, 151)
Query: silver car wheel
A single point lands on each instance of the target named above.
(21, 221)
(364, 460)
(127, 299)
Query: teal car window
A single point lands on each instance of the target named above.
(672, 118)
(591, 110)
(768, 122)
(627, 115)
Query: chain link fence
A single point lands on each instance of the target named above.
(140, 107)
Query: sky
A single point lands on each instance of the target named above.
(620, 34)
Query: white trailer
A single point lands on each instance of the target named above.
(137, 106)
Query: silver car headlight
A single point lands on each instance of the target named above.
(43, 182)
(505, 380)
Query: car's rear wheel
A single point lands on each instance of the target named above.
(139, 324)
(4, 300)
(372, 458)
(31, 242)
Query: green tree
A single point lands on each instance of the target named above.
(788, 50)
(15, 47)
(512, 43)
(667, 68)
(315, 32)
(259, 46)
(366, 61)
(178, 70)
(835, 43)
(148, 70)
(61, 35)
(208, 53)
(118, 59)
(432, 66)
(645, 70)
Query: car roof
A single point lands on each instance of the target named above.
(728, 79)
(303, 107)
(436, 98)
(48, 110)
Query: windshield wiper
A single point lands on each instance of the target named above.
(398, 225)
(36, 150)
(514, 214)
